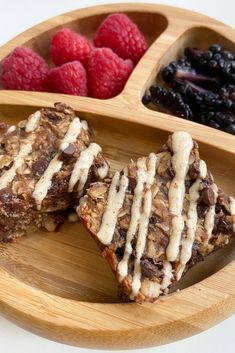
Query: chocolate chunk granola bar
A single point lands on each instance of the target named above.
(46, 163)
(158, 217)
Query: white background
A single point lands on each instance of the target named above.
(18, 15)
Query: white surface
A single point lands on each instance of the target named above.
(18, 15)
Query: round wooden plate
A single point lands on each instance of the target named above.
(57, 284)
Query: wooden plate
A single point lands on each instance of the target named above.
(58, 285)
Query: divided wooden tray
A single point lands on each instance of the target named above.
(58, 285)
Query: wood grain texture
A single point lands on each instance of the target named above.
(58, 285)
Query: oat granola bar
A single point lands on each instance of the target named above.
(158, 217)
(46, 163)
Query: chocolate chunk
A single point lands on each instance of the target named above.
(119, 238)
(208, 196)
(202, 209)
(154, 219)
(164, 241)
(39, 166)
(149, 269)
(224, 226)
(69, 151)
(6, 195)
(196, 255)
(194, 171)
(53, 117)
(120, 253)
(132, 184)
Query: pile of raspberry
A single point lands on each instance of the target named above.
(99, 69)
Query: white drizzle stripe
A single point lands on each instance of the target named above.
(44, 183)
(103, 170)
(232, 209)
(25, 149)
(9, 175)
(167, 275)
(191, 222)
(114, 203)
(33, 122)
(143, 224)
(12, 128)
(82, 166)
(143, 177)
(210, 216)
(141, 241)
(182, 145)
(84, 124)
(72, 133)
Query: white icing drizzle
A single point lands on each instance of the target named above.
(84, 124)
(103, 170)
(25, 149)
(82, 166)
(64, 145)
(141, 240)
(167, 275)
(44, 183)
(72, 133)
(33, 122)
(143, 177)
(8, 176)
(114, 203)
(191, 222)
(210, 216)
(12, 128)
(143, 223)
(232, 209)
(182, 145)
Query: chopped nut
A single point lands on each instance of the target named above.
(22, 123)
(97, 191)
(5, 161)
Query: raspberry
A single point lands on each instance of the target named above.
(70, 78)
(107, 73)
(120, 34)
(67, 46)
(25, 70)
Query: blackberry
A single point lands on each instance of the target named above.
(227, 92)
(197, 98)
(214, 61)
(218, 120)
(200, 99)
(146, 99)
(169, 102)
(182, 70)
(202, 88)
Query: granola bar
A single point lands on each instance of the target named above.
(46, 164)
(158, 217)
